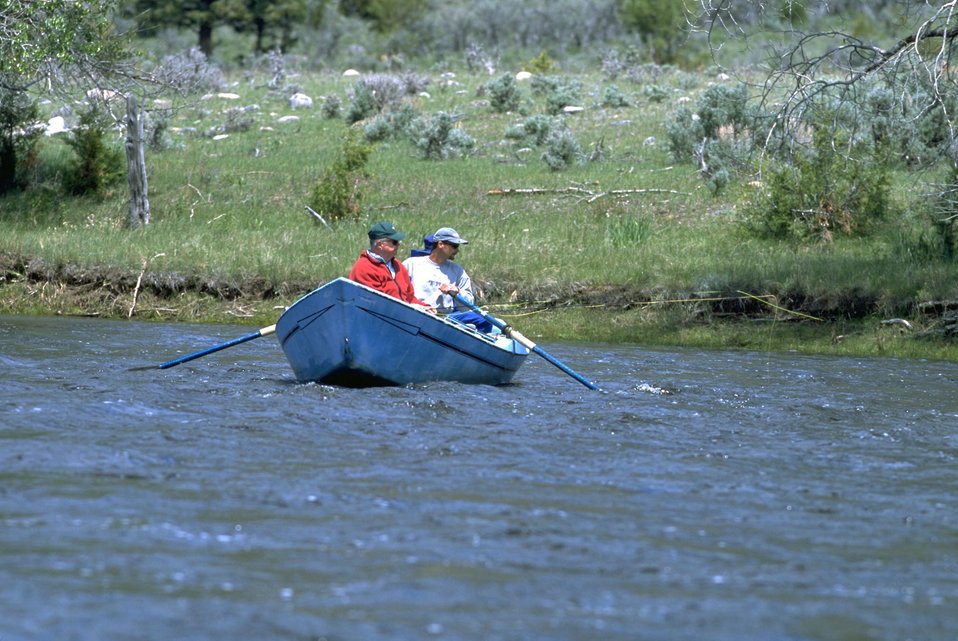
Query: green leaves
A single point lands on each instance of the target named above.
(60, 32)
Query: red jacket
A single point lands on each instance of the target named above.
(373, 273)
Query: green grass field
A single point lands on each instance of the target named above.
(613, 249)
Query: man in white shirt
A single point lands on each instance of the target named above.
(437, 278)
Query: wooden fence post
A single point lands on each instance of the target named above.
(136, 165)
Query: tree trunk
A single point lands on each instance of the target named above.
(205, 41)
(260, 34)
(136, 165)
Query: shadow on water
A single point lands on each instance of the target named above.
(701, 495)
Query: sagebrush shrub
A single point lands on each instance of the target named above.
(685, 131)
(656, 93)
(158, 129)
(613, 98)
(559, 93)
(562, 149)
(477, 59)
(912, 122)
(393, 125)
(504, 94)
(332, 106)
(532, 132)
(373, 95)
(724, 106)
(717, 137)
(439, 138)
(189, 72)
(721, 112)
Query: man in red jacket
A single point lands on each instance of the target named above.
(378, 268)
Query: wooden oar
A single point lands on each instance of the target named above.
(519, 338)
(209, 350)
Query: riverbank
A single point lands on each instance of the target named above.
(623, 245)
(619, 315)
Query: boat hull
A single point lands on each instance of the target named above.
(344, 333)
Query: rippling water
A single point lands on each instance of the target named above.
(701, 495)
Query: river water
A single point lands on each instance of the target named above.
(700, 495)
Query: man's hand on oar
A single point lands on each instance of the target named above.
(522, 340)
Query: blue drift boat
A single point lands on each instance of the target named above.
(344, 333)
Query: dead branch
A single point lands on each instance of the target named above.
(136, 290)
(139, 282)
(591, 196)
(318, 216)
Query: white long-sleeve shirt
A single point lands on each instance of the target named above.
(427, 276)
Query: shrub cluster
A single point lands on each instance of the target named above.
(440, 138)
(562, 150)
(717, 135)
(380, 93)
(558, 92)
(532, 132)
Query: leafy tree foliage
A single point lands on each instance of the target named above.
(874, 79)
(44, 36)
(16, 108)
(58, 42)
(272, 21)
(808, 61)
(661, 23)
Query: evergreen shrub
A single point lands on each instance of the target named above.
(97, 164)
(829, 189)
(338, 193)
(17, 141)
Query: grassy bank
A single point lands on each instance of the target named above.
(631, 246)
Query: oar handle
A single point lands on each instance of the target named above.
(236, 341)
(522, 340)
